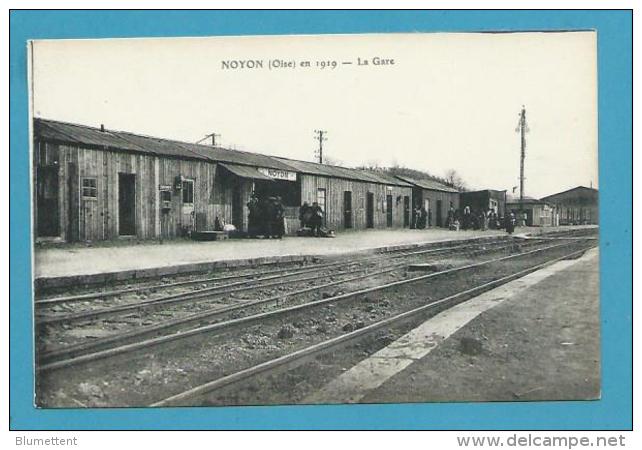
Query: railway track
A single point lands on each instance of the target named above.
(195, 395)
(101, 295)
(229, 336)
(193, 306)
(269, 281)
(178, 322)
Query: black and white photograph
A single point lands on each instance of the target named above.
(315, 219)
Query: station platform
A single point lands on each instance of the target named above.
(77, 260)
(536, 338)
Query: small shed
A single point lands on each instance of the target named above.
(484, 200)
(538, 212)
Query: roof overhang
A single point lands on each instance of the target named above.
(245, 172)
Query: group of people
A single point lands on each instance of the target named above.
(266, 217)
(479, 220)
(421, 218)
(311, 217)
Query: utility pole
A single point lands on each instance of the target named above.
(522, 128)
(320, 136)
(211, 135)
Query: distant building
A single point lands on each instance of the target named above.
(538, 212)
(577, 206)
(484, 200)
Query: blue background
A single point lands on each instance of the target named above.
(614, 411)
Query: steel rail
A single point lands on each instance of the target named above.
(383, 255)
(180, 398)
(48, 319)
(261, 316)
(102, 343)
(153, 303)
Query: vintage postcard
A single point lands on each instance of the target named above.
(318, 219)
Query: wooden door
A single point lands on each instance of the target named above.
(388, 210)
(48, 201)
(370, 210)
(126, 204)
(73, 204)
(347, 209)
(406, 211)
(187, 207)
(237, 208)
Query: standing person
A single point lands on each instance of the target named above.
(482, 221)
(422, 217)
(450, 218)
(253, 215)
(510, 223)
(492, 219)
(218, 226)
(268, 212)
(415, 217)
(465, 221)
(317, 219)
(303, 214)
(279, 217)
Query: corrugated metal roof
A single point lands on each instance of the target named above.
(160, 147)
(429, 184)
(245, 172)
(237, 157)
(494, 191)
(121, 140)
(342, 172)
(79, 134)
(569, 192)
(526, 200)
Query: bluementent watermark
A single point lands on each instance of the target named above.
(50, 441)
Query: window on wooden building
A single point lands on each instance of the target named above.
(188, 191)
(89, 187)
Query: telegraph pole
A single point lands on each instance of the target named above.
(211, 135)
(522, 128)
(320, 136)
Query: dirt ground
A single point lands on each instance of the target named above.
(541, 345)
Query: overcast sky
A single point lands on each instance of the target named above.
(449, 101)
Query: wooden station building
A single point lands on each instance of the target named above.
(435, 197)
(577, 206)
(98, 184)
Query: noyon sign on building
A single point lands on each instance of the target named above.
(278, 174)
